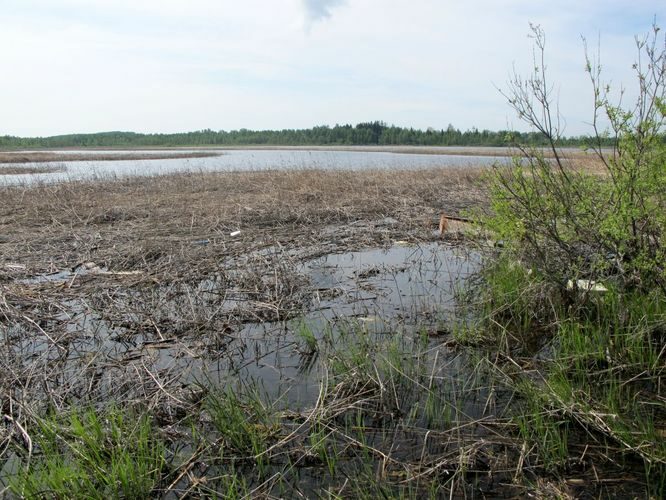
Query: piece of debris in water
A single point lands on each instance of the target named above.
(86, 266)
(443, 225)
(587, 285)
(15, 266)
(92, 268)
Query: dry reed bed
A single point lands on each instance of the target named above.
(31, 169)
(494, 151)
(56, 156)
(138, 257)
(171, 288)
(128, 223)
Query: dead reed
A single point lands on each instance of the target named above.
(126, 224)
(170, 312)
(31, 169)
(56, 156)
(117, 296)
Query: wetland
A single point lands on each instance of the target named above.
(277, 332)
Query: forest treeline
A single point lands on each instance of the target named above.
(370, 133)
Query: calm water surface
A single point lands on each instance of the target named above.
(245, 160)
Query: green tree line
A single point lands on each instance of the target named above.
(369, 133)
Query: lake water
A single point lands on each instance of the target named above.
(244, 160)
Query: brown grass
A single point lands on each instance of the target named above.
(54, 156)
(572, 153)
(206, 151)
(135, 253)
(121, 222)
(32, 169)
(97, 337)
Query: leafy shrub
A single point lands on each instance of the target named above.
(570, 222)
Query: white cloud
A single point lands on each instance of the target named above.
(316, 10)
(75, 65)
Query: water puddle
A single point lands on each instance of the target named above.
(410, 283)
(360, 337)
(252, 333)
(69, 275)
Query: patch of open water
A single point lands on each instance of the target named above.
(390, 306)
(247, 160)
(379, 292)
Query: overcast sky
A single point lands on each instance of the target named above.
(179, 65)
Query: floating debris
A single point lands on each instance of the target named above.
(586, 285)
(15, 266)
(443, 225)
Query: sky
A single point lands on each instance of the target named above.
(80, 66)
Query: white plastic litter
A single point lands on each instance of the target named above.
(587, 285)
